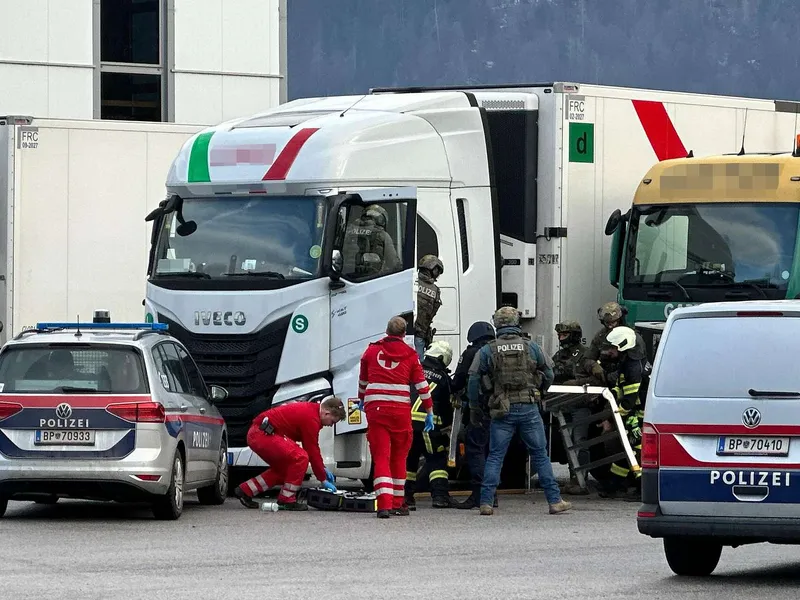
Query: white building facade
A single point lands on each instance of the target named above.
(183, 61)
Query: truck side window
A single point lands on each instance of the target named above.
(374, 240)
(427, 242)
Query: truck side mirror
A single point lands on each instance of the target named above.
(337, 262)
(615, 260)
(613, 222)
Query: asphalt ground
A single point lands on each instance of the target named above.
(86, 550)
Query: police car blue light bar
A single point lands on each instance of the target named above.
(152, 326)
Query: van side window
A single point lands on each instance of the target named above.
(374, 241)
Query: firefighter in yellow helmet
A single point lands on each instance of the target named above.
(433, 445)
(624, 374)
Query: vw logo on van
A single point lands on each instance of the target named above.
(751, 418)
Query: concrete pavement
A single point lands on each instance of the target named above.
(84, 550)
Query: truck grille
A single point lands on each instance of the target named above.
(245, 365)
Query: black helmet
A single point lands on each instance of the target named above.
(478, 330)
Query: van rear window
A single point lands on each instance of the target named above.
(724, 357)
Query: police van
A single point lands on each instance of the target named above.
(721, 435)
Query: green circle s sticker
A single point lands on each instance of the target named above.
(299, 324)
(315, 251)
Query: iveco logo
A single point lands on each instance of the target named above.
(220, 318)
(751, 418)
(63, 411)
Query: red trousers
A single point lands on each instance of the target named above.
(287, 462)
(389, 435)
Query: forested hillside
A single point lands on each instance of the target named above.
(740, 47)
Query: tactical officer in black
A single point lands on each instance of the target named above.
(477, 437)
(429, 299)
(433, 445)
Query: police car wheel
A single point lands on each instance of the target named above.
(691, 556)
(217, 492)
(170, 506)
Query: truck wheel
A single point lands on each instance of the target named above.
(216, 493)
(692, 557)
(170, 506)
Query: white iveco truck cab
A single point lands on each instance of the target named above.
(252, 269)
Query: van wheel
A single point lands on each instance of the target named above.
(693, 557)
(216, 493)
(170, 506)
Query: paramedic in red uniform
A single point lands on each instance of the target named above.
(274, 435)
(389, 368)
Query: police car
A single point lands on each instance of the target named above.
(108, 411)
(721, 435)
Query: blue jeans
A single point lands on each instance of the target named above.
(419, 346)
(526, 419)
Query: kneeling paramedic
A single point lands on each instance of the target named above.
(513, 370)
(389, 367)
(274, 435)
(434, 445)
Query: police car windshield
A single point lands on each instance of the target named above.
(46, 368)
(748, 246)
(272, 237)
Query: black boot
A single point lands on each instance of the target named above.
(442, 502)
(411, 502)
(383, 514)
(472, 501)
(246, 500)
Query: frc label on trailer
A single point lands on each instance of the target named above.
(28, 138)
(575, 108)
(769, 478)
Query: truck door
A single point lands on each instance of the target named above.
(374, 245)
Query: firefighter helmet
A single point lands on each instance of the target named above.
(622, 338)
(441, 349)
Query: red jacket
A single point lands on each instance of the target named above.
(299, 421)
(389, 367)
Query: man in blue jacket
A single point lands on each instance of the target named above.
(513, 372)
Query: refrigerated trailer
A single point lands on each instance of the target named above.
(510, 186)
(71, 197)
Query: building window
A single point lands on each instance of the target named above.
(132, 70)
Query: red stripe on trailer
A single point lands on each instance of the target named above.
(280, 168)
(659, 129)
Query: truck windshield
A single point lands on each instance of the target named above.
(750, 246)
(275, 237)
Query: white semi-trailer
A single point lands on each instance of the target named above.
(71, 198)
(252, 266)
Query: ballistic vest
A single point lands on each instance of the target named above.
(515, 374)
(428, 303)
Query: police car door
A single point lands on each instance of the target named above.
(375, 241)
(181, 411)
